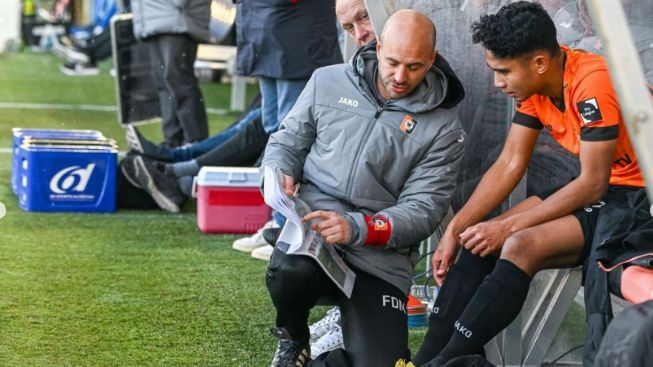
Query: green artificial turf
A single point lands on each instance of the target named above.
(133, 288)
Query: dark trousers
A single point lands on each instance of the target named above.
(182, 105)
(98, 47)
(242, 149)
(374, 320)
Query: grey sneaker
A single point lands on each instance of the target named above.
(138, 144)
(289, 353)
(76, 69)
(129, 171)
(69, 53)
(163, 188)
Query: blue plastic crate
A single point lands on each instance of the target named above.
(19, 134)
(67, 178)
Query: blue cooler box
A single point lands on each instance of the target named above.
(19, 134)
(67, 178)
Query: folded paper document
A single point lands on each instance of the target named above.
(297, 237)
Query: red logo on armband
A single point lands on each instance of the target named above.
(378, 230)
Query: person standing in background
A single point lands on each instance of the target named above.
(172, 29)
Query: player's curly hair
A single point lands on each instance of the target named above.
(516, 30)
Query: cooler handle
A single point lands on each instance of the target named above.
(237, 177)
(193, 189)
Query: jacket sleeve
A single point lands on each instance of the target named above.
(287, 148)
(426, 196)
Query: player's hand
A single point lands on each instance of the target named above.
(330, 225)
(443, 256)
(485, 238)
(289, 186)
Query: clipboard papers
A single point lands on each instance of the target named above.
(297, 237)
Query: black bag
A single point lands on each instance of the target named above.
(131, 197)
(628, 342)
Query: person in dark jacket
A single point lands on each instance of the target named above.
(376, 145)
(172, 30)
(282, 42)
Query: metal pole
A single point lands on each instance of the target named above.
(378, 13)
(628, 78)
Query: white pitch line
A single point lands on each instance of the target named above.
(217, 111)
(85, 107)
(57, 106)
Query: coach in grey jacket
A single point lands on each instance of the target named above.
(172, 29)
(376, 146)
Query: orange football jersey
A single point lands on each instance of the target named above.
(591, 113)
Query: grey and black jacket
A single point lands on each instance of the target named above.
(346, 147)
(152, 17)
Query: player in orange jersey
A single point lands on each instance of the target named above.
(569, 93)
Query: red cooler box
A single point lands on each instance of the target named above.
(229, 200)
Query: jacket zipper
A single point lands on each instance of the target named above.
(379, 109)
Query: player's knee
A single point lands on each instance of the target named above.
(516, 247)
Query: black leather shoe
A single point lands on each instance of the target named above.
(271, 235)
(289, 353)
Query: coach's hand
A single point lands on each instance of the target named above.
(485, 238)
(443, 256)
(330, 225)
(289, 186)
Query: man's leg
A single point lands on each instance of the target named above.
(172, 132)
(295, 284)
(99, 47)
(240, 150)
(462, 281)
(374, 326)
(195, 150)
(288, 90)
(269, 104)
(499, 299)
(179, 52)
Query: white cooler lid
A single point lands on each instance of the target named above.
(229, 176)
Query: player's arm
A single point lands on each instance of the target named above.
(494, 187)
(588, 188)
(598, 114)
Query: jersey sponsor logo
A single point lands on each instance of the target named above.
(394, 302)
(74, 178)
(589, 111)
(348, 102)
(623, 161)
(408, 124)
(463, 330)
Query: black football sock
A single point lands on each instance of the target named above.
(494, 306)
(462, 281)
